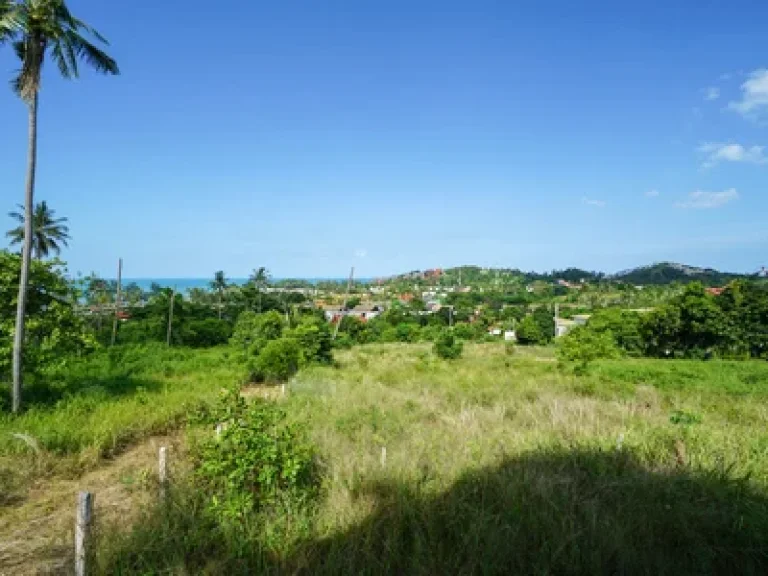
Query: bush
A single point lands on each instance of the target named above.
(314, 339)
(510, 348)
(260, 459)
(529, 332)
(253, 331)
(447, 346)
(407, 332)
(206, 333)
(464, 331)
(277, 361)
(583, 345)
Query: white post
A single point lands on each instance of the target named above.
(163, 470)
(283, 390)
(383, 456)
(82, 530)
(219, 429)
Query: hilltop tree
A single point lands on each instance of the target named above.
(40, 28)
(49, 234)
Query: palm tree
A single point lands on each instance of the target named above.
(219, 284)
(41, 28)
(49, 234)
(260, 280)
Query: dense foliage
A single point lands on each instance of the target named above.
(54, 330)
(447, 346)
(259, 459)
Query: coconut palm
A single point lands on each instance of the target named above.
(260, 280)
(49, 234)
(219, 284)
(40, 29)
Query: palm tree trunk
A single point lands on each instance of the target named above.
(26, 252)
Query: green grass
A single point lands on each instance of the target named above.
(500, 464)
(92, 408)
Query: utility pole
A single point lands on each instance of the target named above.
(117, 299)
(170, 317)
(346, 299)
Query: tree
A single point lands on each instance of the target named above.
(260, 280)
(219, 284)
(39, 28)
(447, 346)
(49, 234)
(529, 331)
(582, 345)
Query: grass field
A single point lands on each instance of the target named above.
(499, 464)
(94, 408)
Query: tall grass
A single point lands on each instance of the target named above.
(91, 408)
(500, 464)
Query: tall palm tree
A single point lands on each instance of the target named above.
(49, 234)
(41, 28)
(219, 284)
(260, 280)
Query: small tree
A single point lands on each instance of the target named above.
(314, 339)
(447, 346)
(582, 345)
(529, 332)
(277, 361)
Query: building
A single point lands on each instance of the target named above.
(363, 312)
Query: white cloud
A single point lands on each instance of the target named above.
(718, 152)
(701, 199)
(652, 194)
(711, 93)
(593, 202)
(754, 94)
(361, 253)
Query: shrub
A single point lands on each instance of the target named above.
(314, 339)
(277, 361)
(407, 332)
(464, 331)
(447, 346)
(206, 333)
(510, 348)
(529, 332)
(583, 345)
(253, 331)
(260, 459)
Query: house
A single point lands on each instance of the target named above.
(510, 336)
(363, 312)
(494, 331)
(714, 291)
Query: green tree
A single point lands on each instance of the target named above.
(49, 234)
(447, 346)
(40, 28)
(546, 321)
(259, 280)
(583, 345)
(219, 285)
(529, 332)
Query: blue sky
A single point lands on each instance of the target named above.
(311, 136)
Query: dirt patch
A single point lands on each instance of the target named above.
(36, 536)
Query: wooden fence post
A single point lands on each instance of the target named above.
(383, 456)
(162, 472)
(82, 531)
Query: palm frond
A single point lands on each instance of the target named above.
(93, 56)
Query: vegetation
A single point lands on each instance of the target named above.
(40, 28)
(447, 346)
(49, 234)
(493, 464)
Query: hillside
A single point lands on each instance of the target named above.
(668, 272)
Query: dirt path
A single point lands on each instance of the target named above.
(36, 537)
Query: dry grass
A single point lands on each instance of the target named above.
(37, 536)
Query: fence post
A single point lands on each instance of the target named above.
(82, 531)
(383, 456)
(162, 472)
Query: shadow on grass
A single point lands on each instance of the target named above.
(577, 512)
